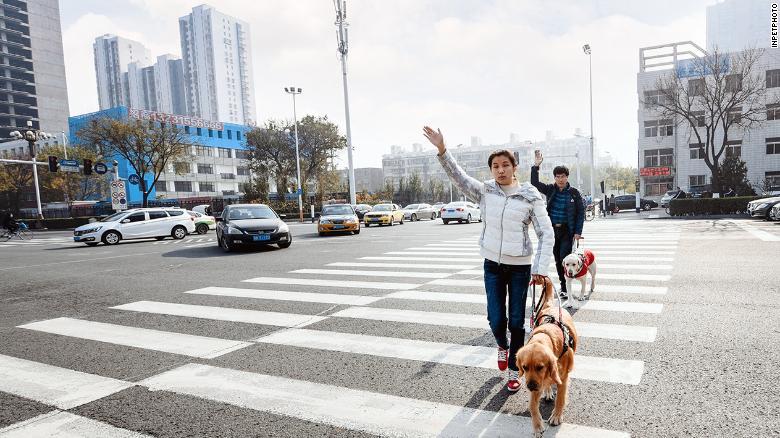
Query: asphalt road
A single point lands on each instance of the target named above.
(677, 340)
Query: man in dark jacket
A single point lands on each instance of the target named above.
(567, 213)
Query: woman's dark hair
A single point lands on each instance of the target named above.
(560, 169)
(502, 152)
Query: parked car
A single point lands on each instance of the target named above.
(384, 214)
(137, 223)
(361, 209)
(698, 191)
(668, 196)
(775, 213)
(415, 212)
(251, 224)
(460, 211)
(628, 202)
(762, 208)
(338, 218)
(437, 208)
(203, 222)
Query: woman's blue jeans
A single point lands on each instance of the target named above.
(501, 280)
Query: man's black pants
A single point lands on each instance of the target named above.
(563, 244)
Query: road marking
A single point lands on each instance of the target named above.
(599, 275)
(427, 259)
(52, 385)
(333, 283)
(634, 259)
(588, 367)
(400, 265)
(610, 306)
(628, 289)
(371, 273)
(430, 253)
(157, 340)
(375, 413)
(221, 313)
(64, 424)
(759, 234)
(584, 329)
(280, 295)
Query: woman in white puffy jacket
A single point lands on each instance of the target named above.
(508, 208)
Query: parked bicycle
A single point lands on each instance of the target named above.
(22, 232)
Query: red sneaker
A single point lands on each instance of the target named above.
(513, 385)
(502, 356)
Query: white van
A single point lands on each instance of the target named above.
(137, 223)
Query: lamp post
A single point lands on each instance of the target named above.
(342, 36)
(32, 135)
(293, 91)
(586, 49)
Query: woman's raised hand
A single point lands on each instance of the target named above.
(435, 138)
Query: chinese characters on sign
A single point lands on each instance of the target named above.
(655, 171)
(174, 119)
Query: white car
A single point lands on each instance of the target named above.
(460, 211)
(137, 223)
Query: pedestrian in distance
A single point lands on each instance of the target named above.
(612, 204)
(566, 209)
(508, 208)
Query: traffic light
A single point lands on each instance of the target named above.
(52, 163)
(87, 166)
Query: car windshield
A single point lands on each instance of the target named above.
(336, 210)
(251, 212)
(412, 207)
(383, 207)
(113, 217)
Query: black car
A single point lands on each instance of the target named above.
(764, 207)
(628, 202)
(361, 209)
(249, 225)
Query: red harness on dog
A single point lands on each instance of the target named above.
(587, 259)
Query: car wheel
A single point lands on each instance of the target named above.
(178, 232)
(202, 229)
(433, 216)
(356, 231)
(480, 219)
(414, 217)
(646, 207)
(468, 219)
(160, 237)
(402, 221)
(225, 245)
(366, 225)
(392, 221)
(91, 243)
(286, 244)
(111, 238)
(445, 221)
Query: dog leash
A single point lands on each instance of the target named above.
(537, 307)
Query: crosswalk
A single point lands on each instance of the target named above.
(324, 309)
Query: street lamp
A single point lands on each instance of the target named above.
(586, 49)
(342, 37)
(293, 91)
(32, 135)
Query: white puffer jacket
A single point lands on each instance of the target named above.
(505, 220)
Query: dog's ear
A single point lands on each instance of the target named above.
(552, 369)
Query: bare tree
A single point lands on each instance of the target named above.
(718, 98)
(148, 146)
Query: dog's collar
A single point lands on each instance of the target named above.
(568, 340)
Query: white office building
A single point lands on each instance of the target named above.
(735, 25)
(113, 54)
(217, 61)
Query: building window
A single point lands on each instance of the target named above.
(161, 186)
(733, 83)
(204, 151)
(651, 128)
(773, 180)
(206, 187)
(211, 133)
(665, 128)
(772, 78)
(697, 180)
(654, 97)
(223, 152)
(186, 129)
(238, 135)
(734, 115)
(773, 145)
(182, 186)
(181, 168)
(199, 132)
(230, 134)
(659, 157)
(227, 176)
(242, 154)
(700, 121)
(773, 111)
(697, 151)
(242, 170)
(734, 148)
(658, 185)
(206, 169)
(219, 134)
(696, 87)
(228, 192)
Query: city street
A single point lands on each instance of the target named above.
(382, 333)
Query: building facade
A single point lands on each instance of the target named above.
(113, 54)
(217, 62)
(169, 85)
(668, 152)
(32, 66)
(215, 165)
(367, 179)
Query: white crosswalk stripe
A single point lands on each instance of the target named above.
(281, 295)
(371, 412)
(65, 424)
(333, 283)
(600, 275)
(400, 265)
(349, 272)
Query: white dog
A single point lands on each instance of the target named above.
(575, 267)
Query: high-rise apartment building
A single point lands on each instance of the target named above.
(216, 55)
(32, 65)
(113, 54)
(169, 85)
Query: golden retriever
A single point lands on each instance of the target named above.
(543, 362)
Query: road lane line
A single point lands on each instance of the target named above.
(157, 340)
(588, 367)
(280, 295)
(427, 259)
(400, 265)
(375, 413)
(333, 283)
(349, 272)
(63, 425)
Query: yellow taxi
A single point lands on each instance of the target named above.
(338, 218)
(384, 214)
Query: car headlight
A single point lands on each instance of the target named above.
(231, 230)
(761, 206)
(92, 230)
(324, 221)
(351, 221)
(283, 228)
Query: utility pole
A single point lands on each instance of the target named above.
(294, 91)
(342, 36)
(587, 50)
